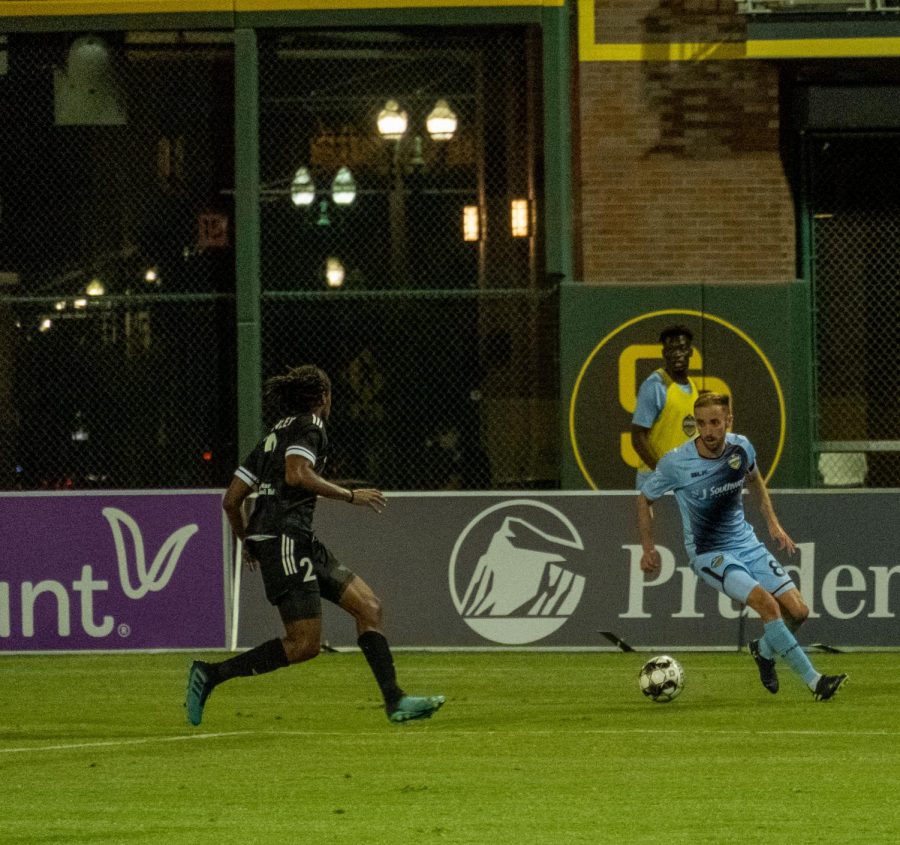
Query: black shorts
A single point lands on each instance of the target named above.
(298, 572)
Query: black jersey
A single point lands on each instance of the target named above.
(281, 507)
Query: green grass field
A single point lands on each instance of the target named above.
(530, 748)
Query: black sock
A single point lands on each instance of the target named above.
(378, 654)
(264, 658)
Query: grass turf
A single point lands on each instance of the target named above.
(530, 748)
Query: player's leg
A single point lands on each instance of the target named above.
(292, 587)
(363, 605)
(358, 599)
(794, 610)
(730, 576)
(785, 645)
(301, 614)
(773, 578)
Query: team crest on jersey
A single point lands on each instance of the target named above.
(689, 425)
(735, 462)
(717, 561)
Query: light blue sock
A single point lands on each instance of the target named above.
(781, 641)
(765, 649)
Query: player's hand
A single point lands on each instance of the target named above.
(651, 562)
(781, 538)
(370, 497)
(249, 561)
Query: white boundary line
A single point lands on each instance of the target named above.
(687, 733)
(118, 743)
(446, 734)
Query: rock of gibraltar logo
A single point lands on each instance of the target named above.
(513, 575)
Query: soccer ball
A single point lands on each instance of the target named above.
(661, 678)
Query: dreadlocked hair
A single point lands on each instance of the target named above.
(298, 391)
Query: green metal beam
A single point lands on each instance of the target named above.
(557, 141)
(247, 239)
(477, 15)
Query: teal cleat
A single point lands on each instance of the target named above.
(198, 690)
(416, 707)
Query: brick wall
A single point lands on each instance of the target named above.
(680, 177)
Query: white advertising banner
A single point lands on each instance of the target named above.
(561, 570)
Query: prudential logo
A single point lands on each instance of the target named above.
(512, 576)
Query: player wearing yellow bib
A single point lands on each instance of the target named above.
(664, 416)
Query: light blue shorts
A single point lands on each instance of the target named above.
(737, 571)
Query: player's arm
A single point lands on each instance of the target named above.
(299, 472)
(640, 439)
(651, 400)
(232, 503)
(650, 560)
(759, 493)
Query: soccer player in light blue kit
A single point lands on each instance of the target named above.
(707, 476)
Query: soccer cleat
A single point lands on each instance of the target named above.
(828, 685)
(198, 690)
(416, 707)
(767, 673)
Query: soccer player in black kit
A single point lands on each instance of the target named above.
(298, 571)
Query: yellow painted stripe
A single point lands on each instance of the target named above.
(799, 48)
(63, 8)
(822, 48)
(307, 5)
(675, 51)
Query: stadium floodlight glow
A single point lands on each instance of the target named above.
(343, 188)
(441, 123)
(471, 223)
(45, 324)
(303, 189)
(392, 121)
(81, 302)
(518, 218)
(60, 306)
(95, 287)
(334, 272)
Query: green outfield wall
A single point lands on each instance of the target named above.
(750, 341)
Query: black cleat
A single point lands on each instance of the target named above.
(767, 673)
(828, 686)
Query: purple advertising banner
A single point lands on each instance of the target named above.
(86, 571)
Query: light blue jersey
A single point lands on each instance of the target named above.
(708, 491)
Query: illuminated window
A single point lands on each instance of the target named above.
(471, 223)
(518, 218)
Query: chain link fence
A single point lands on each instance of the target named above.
(432, 390)
(116, 308)
(440, 337)
(407, 266)
(855, 212)
(117, 274)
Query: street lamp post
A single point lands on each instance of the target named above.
(342, 193)
(392, 122)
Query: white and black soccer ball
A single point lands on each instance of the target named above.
(661, 679)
